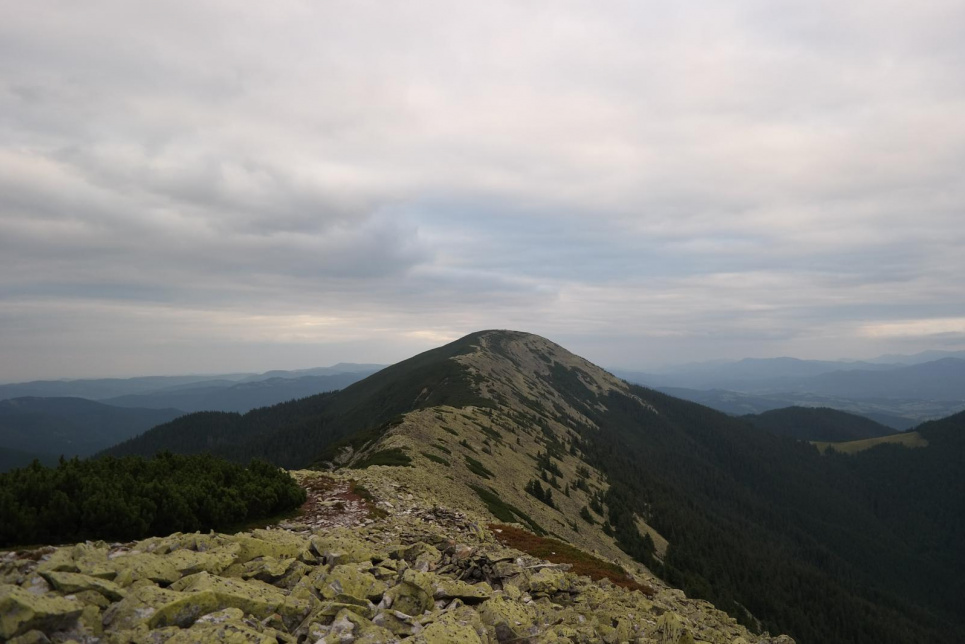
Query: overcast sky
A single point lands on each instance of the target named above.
(212, 185)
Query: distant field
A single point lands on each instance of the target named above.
(908, 439)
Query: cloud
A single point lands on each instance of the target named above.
(646, 180)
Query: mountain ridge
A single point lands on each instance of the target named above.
(505, 421)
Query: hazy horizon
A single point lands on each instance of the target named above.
(201, 187)
(257, 370)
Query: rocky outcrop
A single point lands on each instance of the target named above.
(418, 574)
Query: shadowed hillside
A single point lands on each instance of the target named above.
(818, 424)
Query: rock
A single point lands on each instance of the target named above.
(253, 597)
(408, 598)
(547, 581)
(277, 544)
(460, 626)
(509, 619)
(22, 611)
(233, 631)
(350, 627)
(350, 581)
(336, 550)
(143, 565)
(189, 562)
(73, 582)
(267, 569)
(454, 589)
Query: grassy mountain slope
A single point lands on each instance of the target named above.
(762, 525)
(293, 433)
(818, 424)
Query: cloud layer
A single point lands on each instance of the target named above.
(203, 186)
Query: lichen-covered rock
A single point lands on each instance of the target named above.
(350, 581)
(351, 627)
(253, 597)
(337, 549)
(408, 599)
(443, 588)
(277, 544)
(21, 611)
(144, 566)
(547, 581)
(421, 574)
(510, 620)
(74, 582)
(453, 628)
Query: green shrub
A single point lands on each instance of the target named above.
(477, 468)
(132, 497)
(394, 457)
(436, 458)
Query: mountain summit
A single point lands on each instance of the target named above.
(515, 428)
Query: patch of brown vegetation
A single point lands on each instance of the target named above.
(558, 552)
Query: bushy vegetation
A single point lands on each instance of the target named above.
(436, 458)
(505, 511)
(131, 498)
(477, 468)
(394, 457)
(545, 495)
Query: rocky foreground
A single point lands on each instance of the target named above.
(357, 566)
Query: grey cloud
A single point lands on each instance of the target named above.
(677, 178)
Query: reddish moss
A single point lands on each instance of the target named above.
(558, 552)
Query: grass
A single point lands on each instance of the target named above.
(505, 511)
(558, 552)
(477, 468)
(906, 439)
(394, 457)
(450, 430)
(435, 458)
(441, 448)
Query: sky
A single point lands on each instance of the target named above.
(206, 186)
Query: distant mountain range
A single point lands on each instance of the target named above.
(47, 419)
(107, 388)
(897, 395)
(239, 397)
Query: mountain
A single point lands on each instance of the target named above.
(744, 375)
(942, 379)
(14, 458)
(818, 424)
(336, 369)
(240, 397)
(104, 389)
(895, 395)
(825, 547)
(917, 358)
(50, 427)
(96, 389)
